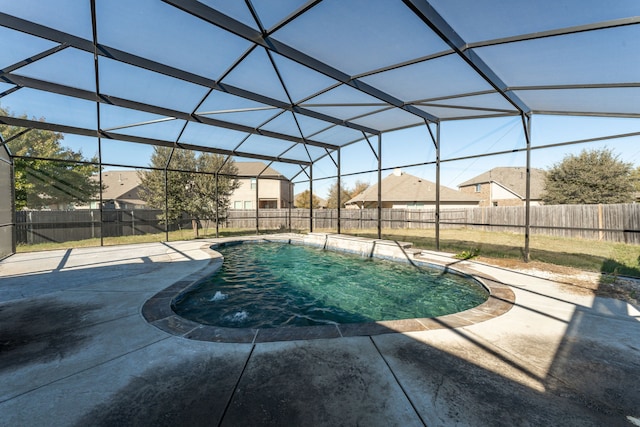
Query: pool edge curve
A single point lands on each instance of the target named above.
(157, 310)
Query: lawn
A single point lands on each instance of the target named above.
(589, 255)
(613, 260)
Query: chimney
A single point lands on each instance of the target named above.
(397, 172)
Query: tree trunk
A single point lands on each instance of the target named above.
(195, 224)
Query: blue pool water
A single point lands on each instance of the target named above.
(266, 285)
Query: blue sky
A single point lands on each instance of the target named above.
(373, 37)
(411, 146)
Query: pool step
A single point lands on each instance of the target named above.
(362, 246)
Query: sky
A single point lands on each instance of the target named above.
(356, 36)
(473, 137)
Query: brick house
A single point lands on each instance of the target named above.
(505, 186)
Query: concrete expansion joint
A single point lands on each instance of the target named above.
(397, 381)
(78, 372)
(237, 383)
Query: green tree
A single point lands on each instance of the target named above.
(302, 200)
(192, 192)
(358, 188)
(332, 198)
(594, 176)
(346, 193)
(635, 177)
(41, 182)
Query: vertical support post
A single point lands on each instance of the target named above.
(14, 232)
(290, 203)
(96, 69)
(100, 201)
(311, 198)
(217, 206)
(257, 207)
(379, 186)
(166, 195)
(166, 206)
(437, 186)
(339, 191)
(526, 123)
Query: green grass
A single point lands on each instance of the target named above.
(590, 255)
(186, 234)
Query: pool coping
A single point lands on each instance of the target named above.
(157, 310)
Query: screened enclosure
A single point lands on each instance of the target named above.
(326, 93)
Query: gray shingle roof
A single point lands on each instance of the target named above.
(120, 185)
(513, 179)
(254, 168)
(405, 187)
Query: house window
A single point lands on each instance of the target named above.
(268, 204)
(478, 187)
(253, 183)
(248, 204)
(237, 205)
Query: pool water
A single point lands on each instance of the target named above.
(266, 285)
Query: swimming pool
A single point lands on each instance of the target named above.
(269, 285)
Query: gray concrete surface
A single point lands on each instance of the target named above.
(75, 350)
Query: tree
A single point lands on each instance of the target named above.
(332, 199)
(302, 200)
(192, 192)
(595, 176)
(635, 178)
(62, 182)
(358, 188)
(346, 194)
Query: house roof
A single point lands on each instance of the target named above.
(513, 179)
(120, 185)
(404, 187)
(254, 168)
(322, 202)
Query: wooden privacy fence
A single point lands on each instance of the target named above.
(614, 223)
(62, 226)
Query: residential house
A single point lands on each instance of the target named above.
(505, 186)
(401, 190)
(322, 203)
(121, 190)
(274, 190)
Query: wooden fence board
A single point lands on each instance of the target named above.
(613, 223)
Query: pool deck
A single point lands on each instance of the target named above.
(76, 349)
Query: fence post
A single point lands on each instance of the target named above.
(133, 223)
(93, 226)
(600, 223)
(29, 228)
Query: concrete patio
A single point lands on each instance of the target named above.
(75, 349)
